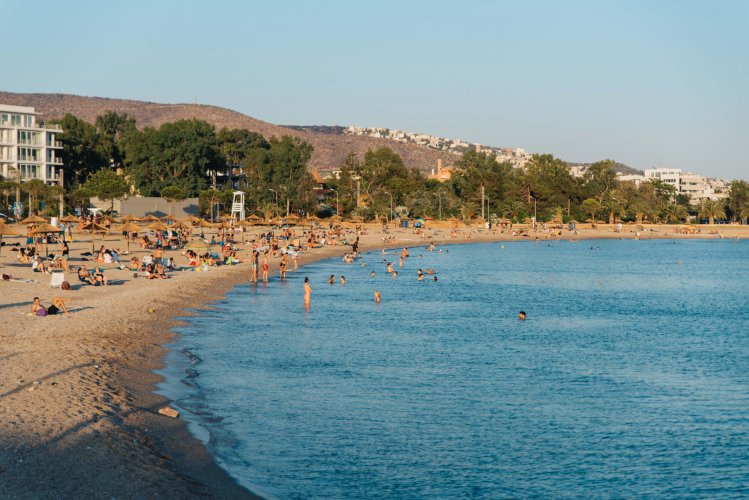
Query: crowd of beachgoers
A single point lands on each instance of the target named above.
(70, 384)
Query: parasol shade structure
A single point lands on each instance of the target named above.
(198, 245)
(169, 218)
(130, 227)
(69, 218)
(180, 225)
(150, 218)
(33, 219)
(130, 218)
(6, 231)
(157, 226)
(46, 229)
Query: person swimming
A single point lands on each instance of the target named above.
(372, 274)
(420, 275)
(521, 315)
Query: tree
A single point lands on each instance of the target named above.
(35, 188)
(479, 173)
(207, 199)
(286, 170)
(7, 188)
(711, 210)
(599, 178)
(673, 212)
(591, 207)
(110, 127)
(172, 194)
(107, 185)
(176, 154)
(83, 150)
(738, 199)
(548, 180)
(614, 203)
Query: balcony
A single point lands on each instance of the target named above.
(55, 144)
(55, 161)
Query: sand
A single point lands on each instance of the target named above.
(78, 416)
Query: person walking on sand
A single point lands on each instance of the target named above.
(307, 292)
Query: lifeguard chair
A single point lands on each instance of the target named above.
(237, 206)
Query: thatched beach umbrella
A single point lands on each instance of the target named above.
(130, 228)
(46, 229)
(6, 231)
(33, 219)
(198, 246)
(95, 228)
(158, 226)
(192, 219)
(169, 218)
(150, 218)
(70, 218)
(130, 218)
(180, 225)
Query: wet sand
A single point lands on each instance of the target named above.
(78, 416)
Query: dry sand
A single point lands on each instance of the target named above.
(78, 417)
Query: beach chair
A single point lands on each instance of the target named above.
(56, 280)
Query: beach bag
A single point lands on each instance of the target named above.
(65, 285)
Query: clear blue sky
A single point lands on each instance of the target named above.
(647, 83)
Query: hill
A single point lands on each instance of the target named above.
(331, 148)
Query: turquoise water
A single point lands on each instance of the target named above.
(629, 378)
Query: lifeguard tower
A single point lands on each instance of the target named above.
(237, 206)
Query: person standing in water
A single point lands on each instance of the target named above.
(266, 266)
(377, 296)
(343, 280)
(331, 280)
(307, 293)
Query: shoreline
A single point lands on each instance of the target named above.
(105, 358)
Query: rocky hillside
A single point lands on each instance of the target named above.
(331, 148)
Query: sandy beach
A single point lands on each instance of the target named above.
(78, 416)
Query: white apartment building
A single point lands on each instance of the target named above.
(28, 151)
(670, 176)
(697, 187)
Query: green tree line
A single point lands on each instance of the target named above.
(112, 158)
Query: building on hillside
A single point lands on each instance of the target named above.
(443, 174)
(671, 176)
(635, 179)
(577, 171)
(29, 150)
(696, 187)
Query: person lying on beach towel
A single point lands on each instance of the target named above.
(85, 276)
(58, 304)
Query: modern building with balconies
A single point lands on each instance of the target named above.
(28, 150)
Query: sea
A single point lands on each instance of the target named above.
(629, 377)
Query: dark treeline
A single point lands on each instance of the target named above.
(189, 158)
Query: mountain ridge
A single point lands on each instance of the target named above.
(330, 150)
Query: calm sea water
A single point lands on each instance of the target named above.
(629, 378)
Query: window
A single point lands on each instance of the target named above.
(15, 120)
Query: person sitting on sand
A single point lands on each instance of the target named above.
(135, 264)
(160, 271)
(99, 275)
(37, 265)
